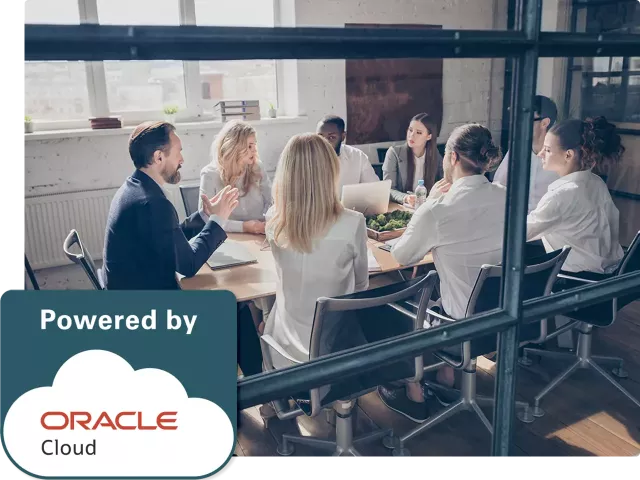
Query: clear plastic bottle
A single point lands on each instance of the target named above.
(421, 193)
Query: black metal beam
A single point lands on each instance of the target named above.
(264, 387)
(572, 300)
(115, 42)
(598, 3)
(568, 81)
(258, 389)
(525, 72)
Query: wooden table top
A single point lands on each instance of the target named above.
(257, 280)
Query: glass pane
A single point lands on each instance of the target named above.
(242, 79)
(601, 64)
(247, 13)
(145, 85)
(634, 63)
(239, 80)
(139, 12)
(53, 12)
(466, 15)
(56, 91)
(616, 64)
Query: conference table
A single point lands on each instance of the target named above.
(258, 280)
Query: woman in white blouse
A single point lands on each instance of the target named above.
(320, 248)
(235, 162)
(577, 209)
(417, 159)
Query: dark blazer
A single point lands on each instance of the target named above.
(395, 168)
(145, 245)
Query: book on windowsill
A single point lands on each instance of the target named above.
(98, 123)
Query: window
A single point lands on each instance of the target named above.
(241, 79)
(55, 90)
(610, 86)
(139, 90)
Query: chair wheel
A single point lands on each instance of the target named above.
(401, 452)
(390, 442)
(525, 361)
(285, 449)
(537, 412)
(620, 372)
(526, 416)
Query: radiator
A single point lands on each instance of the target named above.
(50, 218)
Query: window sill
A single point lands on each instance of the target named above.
(126, 130)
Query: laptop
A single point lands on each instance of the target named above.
(231, 254)
(367, 198)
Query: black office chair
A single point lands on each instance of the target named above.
(190, 198)
(32, 275)
(539, 276)
(83, 258)
(602, 315)
(337, 325)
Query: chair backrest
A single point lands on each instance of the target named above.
(351, 320)
(83, 258)
(32, 275)
(539, 276)
(629, 263)
(190, 198)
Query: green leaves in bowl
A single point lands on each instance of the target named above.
(385, 222)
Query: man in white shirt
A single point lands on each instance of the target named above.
(354, 163)
(461, 224)
(544, 117)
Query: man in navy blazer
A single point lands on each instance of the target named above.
(144, 244)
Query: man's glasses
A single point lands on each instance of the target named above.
(538, 119)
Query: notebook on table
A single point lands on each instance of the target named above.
(231, 254)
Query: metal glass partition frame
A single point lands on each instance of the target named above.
(525, 44)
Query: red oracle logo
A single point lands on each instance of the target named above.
(121, 421)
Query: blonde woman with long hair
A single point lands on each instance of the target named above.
(235, 162)
(320, 248)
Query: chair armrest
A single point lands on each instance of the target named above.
(576, 279)
(439, 316)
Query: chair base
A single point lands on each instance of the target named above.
(468, 401)
(344, 444)
(582, 359)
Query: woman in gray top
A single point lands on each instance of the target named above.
(235, 162)
(417, 159)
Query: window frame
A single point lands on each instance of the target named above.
(194, 112)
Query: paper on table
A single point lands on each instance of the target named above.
(374, 266)
(392, 242)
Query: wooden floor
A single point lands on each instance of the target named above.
(585, 415)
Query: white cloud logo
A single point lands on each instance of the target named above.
(103, 418)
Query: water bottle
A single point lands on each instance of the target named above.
(421, 193)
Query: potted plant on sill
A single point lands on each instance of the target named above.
(272, 111)
(28, 124)
(170, 113)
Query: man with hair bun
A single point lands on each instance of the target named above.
(461, 224)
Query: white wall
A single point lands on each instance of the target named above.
(472, 91)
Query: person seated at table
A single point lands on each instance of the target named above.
(355, 166)
(461, 224)
(319, 247)
(577, 210)
(416, 159)
(235, 162)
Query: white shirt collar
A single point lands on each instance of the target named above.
(468, 181)
(574, 177)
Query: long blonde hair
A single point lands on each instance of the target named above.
(305, 192)
(228, 147)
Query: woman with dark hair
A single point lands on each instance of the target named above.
(577, 210)
(417, 159)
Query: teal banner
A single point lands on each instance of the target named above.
(118, 384)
